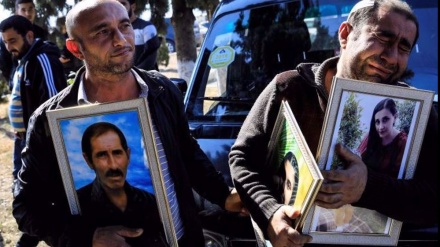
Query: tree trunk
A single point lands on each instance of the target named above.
(186, 51)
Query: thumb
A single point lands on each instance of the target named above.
(291, 212)
(345, 153)
(130, 232)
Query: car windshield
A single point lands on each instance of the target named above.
(245, 49)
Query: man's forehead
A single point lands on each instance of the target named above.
(397, 24)
(10, 33)
(25, 5)
(101, 14)
(124, 2)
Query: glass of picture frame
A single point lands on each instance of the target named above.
(132, 117)
(350, 118)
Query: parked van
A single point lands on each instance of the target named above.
(254, 40)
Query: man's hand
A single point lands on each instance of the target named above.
(280, 231)
(345, 186)
(114, 236)
(234, 204)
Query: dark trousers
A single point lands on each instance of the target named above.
(27, 241)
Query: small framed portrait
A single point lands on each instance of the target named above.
(109, 149)
(382, 124)
(296, 175)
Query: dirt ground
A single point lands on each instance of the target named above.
(9, 232)
(8, 227)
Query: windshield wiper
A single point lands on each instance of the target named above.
(228, 99)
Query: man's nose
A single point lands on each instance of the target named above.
(391, 53)
(112, 162)
(118, 38)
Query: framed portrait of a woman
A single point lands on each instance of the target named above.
(382, 124)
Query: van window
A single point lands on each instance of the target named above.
(243, 52)
(246, 49)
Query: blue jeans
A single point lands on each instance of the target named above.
(19, 143)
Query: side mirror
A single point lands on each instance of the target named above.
(180, 84)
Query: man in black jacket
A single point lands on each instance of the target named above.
(25, 8)
(36, 79)
(101, 35)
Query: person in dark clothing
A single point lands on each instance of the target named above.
(35, 80)
(146, 41)
(24, 8)
(110, 200)
(100, 34)
(376, 41)
(70, 62)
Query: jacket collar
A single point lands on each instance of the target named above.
(145, 79)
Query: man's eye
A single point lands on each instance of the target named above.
(405, 48)
(103, 32)
(382, 38)
(101, 155)
(126, 27)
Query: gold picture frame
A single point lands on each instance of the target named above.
(287, 143)
(132, 117)
(351, 107)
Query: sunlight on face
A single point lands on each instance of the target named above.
(107, 39)
(384, 122)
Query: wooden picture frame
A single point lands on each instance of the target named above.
(349, 118)
(287, 141)
(132, 117)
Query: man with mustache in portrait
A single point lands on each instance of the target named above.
(110, 200)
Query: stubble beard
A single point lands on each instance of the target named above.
(358, 68)
(20, 53)
(111, 68)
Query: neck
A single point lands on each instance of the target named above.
(117, 198)
(386, 141)
(329, 79)
(110, 88)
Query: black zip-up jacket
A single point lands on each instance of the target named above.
(41, 207)
(7, 64)
(42, 77)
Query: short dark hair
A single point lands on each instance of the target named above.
(19, 23)
(17, 2)
(132, 1)
(98, 129)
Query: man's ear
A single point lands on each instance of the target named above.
(344, 30)
(30, 37)
(90, 164)
(72, 46)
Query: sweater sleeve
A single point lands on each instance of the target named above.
(248, 156)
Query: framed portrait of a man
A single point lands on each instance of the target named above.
(382, 124)
(110, 149)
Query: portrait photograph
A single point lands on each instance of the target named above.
(84, 135)
(297, 176)
(384, 125)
